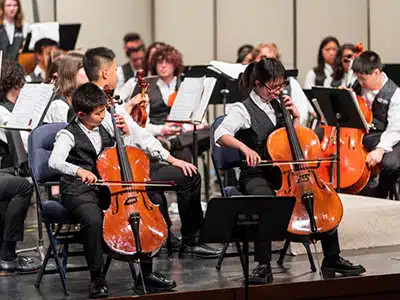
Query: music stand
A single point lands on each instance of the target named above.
(247, 219)
(340, 109)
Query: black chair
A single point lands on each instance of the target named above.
(228, 158)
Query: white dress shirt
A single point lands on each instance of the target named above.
(121, 78)
(310, 77)
(126, 90)
(4, 117)
(300, 100)
(391, 136)
(38, 71)
(10, 30)
(239, 118)
(138, 137)
(57, 112)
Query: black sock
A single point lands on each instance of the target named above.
(7, 252)
(94, 274)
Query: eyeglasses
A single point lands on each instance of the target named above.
(276, 88)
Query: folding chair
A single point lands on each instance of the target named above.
(227, 158)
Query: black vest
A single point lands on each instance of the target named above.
(84, 155)
(380, 105)
(6, 160)
(7, 104)
(10, 51)
(158, 109)
(35, 78)
(319, 77)
(128, 72)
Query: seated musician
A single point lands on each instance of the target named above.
(168, 65)
(11, 83)
(42, 49)
(246, 128)
(342, 65)
(293, 89)
(383, 141)
(15, 197)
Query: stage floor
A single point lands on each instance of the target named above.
(190, 274)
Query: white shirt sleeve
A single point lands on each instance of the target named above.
(237, 118)
(57, 112)
(58, 159)
(300, 99)
(120, 78)
(125, 90)
(4, 117)
(391, 136)
(309, 82)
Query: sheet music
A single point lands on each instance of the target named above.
(44, 30)
(232, 70)
(31, 106)
(199, 111)
(189, 95)
(319, 110)
(354, 97)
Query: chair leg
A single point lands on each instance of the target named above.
(170, 251)
(107, 265)
(283, 252)
(310, 257)
(43, 267)
(221, 257)
(240, 252)
(65, 255)
(206, 177)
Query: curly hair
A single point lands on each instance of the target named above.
(171, 55)
(12, 77)
(19, 18)
(271, 46)
(149, 54)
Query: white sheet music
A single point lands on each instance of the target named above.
(189, 95)
(30, 106)
(354, 97)
(232, 70)
(200, 109)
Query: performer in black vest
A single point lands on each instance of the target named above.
(12, 30)
(383, 97)
(11, 83)
(342, 65)
(246, 128)
(134, 49)
(167, 63)
(326, 57)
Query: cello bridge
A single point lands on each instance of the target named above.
(305, 177)
(130, 200)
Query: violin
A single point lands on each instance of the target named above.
(354, 172)
(139, 113)
(318, 208)
(133, 225)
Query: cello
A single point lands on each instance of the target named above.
(125, 170)
(318, 208)
(354, 172)
(138, 112)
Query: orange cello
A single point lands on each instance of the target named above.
(318, 208)
(354, 172)
(139, 113)
(133, 225)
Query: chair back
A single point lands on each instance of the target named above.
(40, 144)
(223, 158)
(17, 150)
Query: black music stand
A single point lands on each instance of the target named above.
(247, 219)
(339, 109)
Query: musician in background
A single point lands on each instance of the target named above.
(153, 47)
(43, 49)
(293, 89)
(342, 65)
(326, 59)
(246, 128)
(134, 49)
(383, 141)
(244, 54)
(13, 29)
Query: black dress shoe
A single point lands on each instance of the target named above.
(21, 265)
(199, 250)
(262, 274)
(156, 282)
(342, 266)
(7, 266)
(176, 245)
(98, 288)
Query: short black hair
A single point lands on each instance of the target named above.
(87, 97)
(367, 62)
(94, 59)
(12, 76)
(44, 42)
(132, 37)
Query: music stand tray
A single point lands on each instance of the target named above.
(247, 219)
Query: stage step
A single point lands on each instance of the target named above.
(367, 222)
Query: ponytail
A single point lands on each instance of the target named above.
(247, 80)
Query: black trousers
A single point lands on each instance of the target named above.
(389, 166)
(188, 198)
(256, 183)
(15, 197)
(86, 208)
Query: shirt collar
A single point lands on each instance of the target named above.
(83, 127)
(328, 69)
(261, 103)
(6, 23)
(161, 83)
(38, 71)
